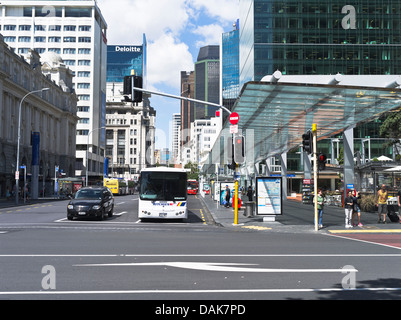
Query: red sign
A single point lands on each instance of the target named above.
(234, 118)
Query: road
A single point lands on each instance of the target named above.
(45, 256)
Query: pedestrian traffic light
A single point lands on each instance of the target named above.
(307, 142)
(137, 95)
(239, 154)
(321, 161)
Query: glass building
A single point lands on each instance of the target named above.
(319, 37)
(121, 59)
(230, 67)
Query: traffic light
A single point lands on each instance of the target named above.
(137, 95)
(307, 142)
(321, 161)
(130, 94)
(230, 154)
(239, 154)
(127, 89)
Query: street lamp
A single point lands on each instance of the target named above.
(18, 141)
(87, 152)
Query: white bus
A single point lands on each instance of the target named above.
(163, 193)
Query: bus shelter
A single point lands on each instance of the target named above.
(275, 112)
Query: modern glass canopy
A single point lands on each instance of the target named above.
(278, 111)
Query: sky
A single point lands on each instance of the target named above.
(175, 31)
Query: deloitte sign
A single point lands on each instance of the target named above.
(128, 49)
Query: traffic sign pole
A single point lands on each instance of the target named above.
(314, 132)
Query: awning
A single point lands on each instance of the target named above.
(283, 108)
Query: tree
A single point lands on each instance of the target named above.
(391, 129)
(194, 173)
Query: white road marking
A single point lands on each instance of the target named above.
(225, 291)
(213, 266)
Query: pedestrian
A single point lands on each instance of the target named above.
(349, 204)
(250, 194)
(357, 209)
(228, 196)
(399, 204)
(320, 205)
(8, 194)
(382, 203)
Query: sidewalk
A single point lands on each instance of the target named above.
(4, 203)
(296, 217)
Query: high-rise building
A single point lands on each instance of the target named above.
(176, 132)
(230, 67)
(319, 37)
(207, 81)
(187, 107)
(76, 30)
(130, 134)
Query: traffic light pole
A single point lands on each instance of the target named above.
(314, 132)
(182, 98)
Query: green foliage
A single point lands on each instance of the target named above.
(368, 203)
(194, 173)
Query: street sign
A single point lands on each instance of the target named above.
(234, 118)
(234, 128)
(16, 175)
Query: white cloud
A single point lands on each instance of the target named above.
(211, 34)
(226, 10)
(166, 58)
(129, 19)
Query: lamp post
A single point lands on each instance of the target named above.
(18, 141)
(87, 153)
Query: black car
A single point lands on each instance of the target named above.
(96, 202)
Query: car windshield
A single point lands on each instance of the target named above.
(88, 194)
(168, 186)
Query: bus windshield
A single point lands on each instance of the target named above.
(163, 186)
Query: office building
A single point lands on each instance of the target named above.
(207, 81)
(130, 127)
(187, 107)
(176, 134)
(76, 30)
(230, 67)
(311, 37)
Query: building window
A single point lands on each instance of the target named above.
(83, 74)
(84, 85)
(69, 51)
(70, 28)
(82, 132)
(40, 39)
(70, 39)
(9, 39)
(54, 39)
(9, 27)
(84, 28)
(84, 39)
(69, 62)
(83, 97)
(55, 50)
(84, 51)
(24, 27)
(24, 39)
(55, 28)
(84, 62)
(83, 109)
(40, 27)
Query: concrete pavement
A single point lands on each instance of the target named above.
(297, 217)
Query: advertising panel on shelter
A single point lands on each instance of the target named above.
(268, 196)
